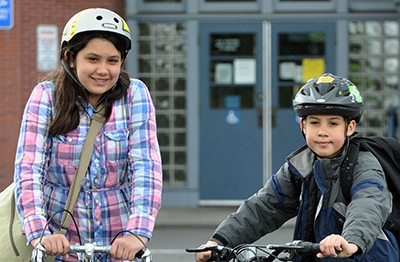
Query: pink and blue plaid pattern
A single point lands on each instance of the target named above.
(122, 188)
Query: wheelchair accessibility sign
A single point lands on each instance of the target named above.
(6, 14)
(233, 116)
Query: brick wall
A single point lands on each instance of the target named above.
(18, 73)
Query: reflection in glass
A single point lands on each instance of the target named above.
(144, 29)
(179, 102)
(162, 47)
(373, 28)
(355, 65)
(391, 28)
(165, 157)
(144, 47)
(162, 102)
(144, 65)
(162, 29)
(180, 121)
(374, 83)
(357, 81)
(162, 121)
(374, 64)
(163, 139)
(180, 65)
(374, 121)
(180, 177)
(180, 47)
(166, 176)
(392, 46)
(302, 44)
(374, 47)
(162, 84)
(356, 28)
(392, 82)
(355, 47)
(162, 65)
(391, 102)
(391, 65)
(180, 84)
(180, 29)
(179, 139)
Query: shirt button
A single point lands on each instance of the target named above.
(98, 139)
(69, 139)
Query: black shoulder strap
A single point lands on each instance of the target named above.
(346, 170)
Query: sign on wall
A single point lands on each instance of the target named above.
(6, 14)
(46, 47)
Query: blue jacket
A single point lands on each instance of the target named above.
(310, 189)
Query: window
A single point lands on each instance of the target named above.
(162, 66)
(374, 66)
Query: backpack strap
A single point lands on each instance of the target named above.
(346, 170)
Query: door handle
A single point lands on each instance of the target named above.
(273, 116)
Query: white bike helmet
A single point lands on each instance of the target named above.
(96, 19)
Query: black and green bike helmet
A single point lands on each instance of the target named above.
(329, 95)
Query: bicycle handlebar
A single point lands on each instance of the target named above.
(86, 252)
(295, 249)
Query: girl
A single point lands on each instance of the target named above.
(122, 186)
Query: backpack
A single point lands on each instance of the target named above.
(387, 151)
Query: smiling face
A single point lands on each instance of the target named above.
(98, 66)
(325, 134)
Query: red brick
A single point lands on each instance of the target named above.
(18, 66)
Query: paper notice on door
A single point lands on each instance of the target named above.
(287, 70)
(223, 73)
(244, 71)
(313, 67)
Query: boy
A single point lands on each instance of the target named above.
(308, 186)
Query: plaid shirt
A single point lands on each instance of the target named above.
(122, 188)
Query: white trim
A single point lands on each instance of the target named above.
(217, 202)
(267, 128)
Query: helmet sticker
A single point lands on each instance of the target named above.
(73, 26)
(355, 94)
(125, 28)
(325, 79)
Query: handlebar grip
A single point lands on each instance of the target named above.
(194, 250)
(307, 247)
(139, 254)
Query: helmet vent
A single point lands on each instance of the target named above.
(116, 20)
(99, 17)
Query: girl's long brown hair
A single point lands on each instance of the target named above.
(70, 98)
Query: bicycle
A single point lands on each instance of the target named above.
(87, 251)
(251, 253)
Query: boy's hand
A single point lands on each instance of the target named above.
(204, 256)
(336, 246)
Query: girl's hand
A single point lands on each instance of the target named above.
(204, 256)
(127, 247)
(55, 245)
(336, 246)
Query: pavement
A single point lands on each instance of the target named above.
(196, 216)
(178, 228)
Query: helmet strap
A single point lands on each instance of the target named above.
(73, 76)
